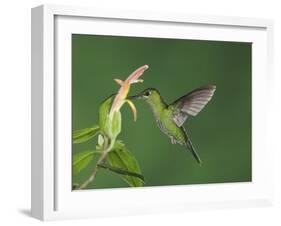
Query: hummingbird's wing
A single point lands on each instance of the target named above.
(191, 104)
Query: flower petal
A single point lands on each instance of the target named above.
(137, 81)
(120, 98)
(136, 74)
(119, 81)
(133, 108)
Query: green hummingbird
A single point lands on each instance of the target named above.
(170, 118)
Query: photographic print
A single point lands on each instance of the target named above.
(159, 112)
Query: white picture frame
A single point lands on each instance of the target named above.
(52, 197)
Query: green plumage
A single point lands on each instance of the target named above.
(170, 118)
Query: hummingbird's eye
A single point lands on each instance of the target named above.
(147, 93)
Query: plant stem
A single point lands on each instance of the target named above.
(101, 159)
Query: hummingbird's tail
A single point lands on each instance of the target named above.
(189, 145)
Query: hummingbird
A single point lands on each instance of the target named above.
(171, 117)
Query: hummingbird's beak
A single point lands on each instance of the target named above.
(134, 97)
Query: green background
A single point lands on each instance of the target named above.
(221, 133)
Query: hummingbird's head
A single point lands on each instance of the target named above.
(150, 95)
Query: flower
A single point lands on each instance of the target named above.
(121, 96)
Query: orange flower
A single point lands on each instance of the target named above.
(121, 96)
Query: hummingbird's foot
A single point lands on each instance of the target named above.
(173, 140)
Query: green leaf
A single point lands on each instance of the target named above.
(83, 135)
(104, 111)
(116, 124)
(121, 171)
(121, 158)
(109, 126)
(81, 160)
